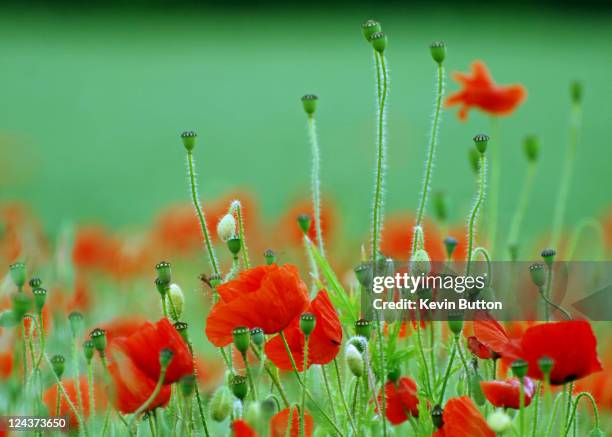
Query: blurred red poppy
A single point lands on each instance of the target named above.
(323, 344)
(50, 399)
(242, 429)
(506, 394)
(144, 346)
(462, 418)
(6, 364)
(401, 398)
(396, 238)
(479, 91)
(94, 248)
(268, 297)
(122, 327)
(280, 422)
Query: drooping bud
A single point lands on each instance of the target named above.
(369, 28)
(88, 350)
(307, 323)
(363, 328)
(40, 298)
(359, 342)
(576, 92)
(226, 228)
(35, 283)
(354, 360)
(187, 385)
(436, 416)
(21, 304)
(221, 404)
(481, 141)
(58, 363)
(165, 357)
(98, 336)
(162, 287)
(440, 206)
(304, 221)
(76, 323)
(379, 41)
(546, 364)
(531, 146)
(450, 244)
(239, 386)
(549, 256)
(474, 158)
(182, 328)
(164, 272)
(269, 256)
(258, 336)
(241, 339)
(519, 368)
(234, 245)
(309, 102)
(420, 263)
(538, 275)
(176, 300)
(499, 421)
(18, 274)
(189, 140)
(438, 51)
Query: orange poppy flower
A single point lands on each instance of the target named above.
(506, 394)
(481, 92)
(292, 233)
(242, 429)
(462, 418)
(324, 341)
(144, 346)
(280, 422)
(401, 400)
(267, 297)
(50, 399)
(396, 238)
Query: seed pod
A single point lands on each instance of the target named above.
(436, 416)
(481, 141)
(269, 256)
(538, 275)
(241, 339)
(369, 28)
(307, 323)
(304, 221)
(420, 263)
(531, 145)
(98, 336)
(189, 140)
(455, 322)
(35, 283)
(164, 272)
(58, 364)
(549, 256)
(221, 404)
(215, 280)
(450, 244)
(187, 385)
(379, 41)
(226, 228)
(309, 102)
(499, 421)
(76, 323)
(239, 386)
(363, 328)
(258, 336)
(165, 357)
(40, 298)
(21, 304)
(438, 51)
(234, 244)
(182, 328)
(546, 364)
(176, 301)
(18, 274)
(88, 350)
(519, 368)
(354, 360)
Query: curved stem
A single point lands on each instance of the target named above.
(554, 305)
(149, 401)
(487, 257)
(589, 223)
(316, 180)
(590, 397)
(482, 177)
(519, 213)
(447, 373)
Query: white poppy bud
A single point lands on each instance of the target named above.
(354, 360)
(226, 228)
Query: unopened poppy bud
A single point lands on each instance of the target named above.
(234, 245)
(363, 272)
(226, 228)
(369, 28)
(164, 272)
(35, 283)
(162, 287)
(545, 364)
(438, 51)
(76, 323)
(450, 244)
(215, 280)
(354, 360)
(189, 140)
(519, 368)
(88, 350)
(499, 421)
(538, 276)
(436, 416)
(98, 336)
(307, 323)
(481, 141)
(18, 274)
(379, 41)
(221, 404)
(176, 300)
(21, 304)
(239, 386)
(531, 146)
(420, 263)
(241, 339)
(304, 221)
(359, 342)
(363, 328)
(394, 374)
(182, 328)
(576, 91)
(257, 336)
(268, 407)
(187, 384)
(40, 298)
(165, 357)
(440, 206)
(455, 322)
(309, 102)
(474, 158)
(269, 256)
(58, 363)
(549, 256)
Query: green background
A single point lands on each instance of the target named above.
(92, 104)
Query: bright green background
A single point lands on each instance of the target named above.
(92, 104)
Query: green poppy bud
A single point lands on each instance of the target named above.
(354, 360)
(187, 385)
(226, 228)
(162, 287)
(269, 256)
(436, 416)
(304, 221)
(35, 283)
(182, 328)
(189, 140)
(440, 206)
(549, 256)
(519, 368)
(40, 298)
(58, 363)
(538, 275)
(215, 280)
(21, 305)
(394, 374)
(379, 41)
(363, 328)
(545, 364)
(363, 272)
(18, 274)
(88, 350)
(176, 301)
(268, 407)
(164, 272)
(420, 263)
(474, 158)
(369, 28)
(455, 322)
(76, 323)
(576, 92)
(307, 323)
(221, 404)
(234, 245)
(165, 357)
(499, 421)
(239, 386)
(241, 339)
(309, 102)
(481, 141)
(98, 336)
(531, 146)
(438, 51)
(450, 244)
(258, 336)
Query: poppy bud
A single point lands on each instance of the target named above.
(239, 386)
(234, 245)
(18, 274)
(450, 244)
(226, 228)
(519, 368)
(98, 336)
(268, 407)
(21, 305)
(215, 280)
(440, 206)
(394, 374)
(162, 287)
(189, 140)
(455, 322)
(420, 263)
(164, 272)
(363, 328)
(436, 416)
(532, 148)
(187, 384)
(76, 323)
(545, 364)
(369, 28)
(307, 323)
(35, 283)
(499, 421)
(182, 328)
(58, 364)
(379, 41)
(438, 51)
(165, 357)
(40, 298)
(176, 300)
(221, 404)
(363, 272)
(354, 360)
(576, 91)
(304, 221)
(257, 336)
(538, 276)
(549, 256)
(269, 256)
(474, 158)
(309, 102)
(241, 339)
(359, 342)
(88, 350)
(481, 141)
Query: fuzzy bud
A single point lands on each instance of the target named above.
(258, 336)
(182, 328)
(268, 407)
(35, 283)
(307, 323)
(176, 301)
(234, 245)
(309, 102)
(354, 360)
(164, 272)
(21, 304)
(369, 28)
(88, 350)
(379, 41)
(438, 51)
(76, 323)
(241, 339)
(499, 421)
(450, 244)
(18, 274)
(363, 328)
(269, 256)
(519, 368)
(420, 263)
(239, 386)
(359, 342)
(531, 145)
(98, 336)
(58, 362)
(481, 141)
(189, 140)
(40, 298)
(538, 276)
(226, 228)
(221, 404)
(304, 221)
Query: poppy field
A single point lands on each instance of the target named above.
(215, 319)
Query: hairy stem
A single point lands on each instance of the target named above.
(316, 180)
(237, 206)
(482, 177)
(519, 213)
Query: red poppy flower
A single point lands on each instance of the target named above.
(242, 429)
(291, 231)
(506, 394)
(122, 327)
(323, 344)
(462, 418)
(396, 238)
(481, 92)
(280, 422)
(94, 248)
(401, 399)
(268, 297)
(144, 346)
(50, 399)
(479, 349)
(6, 364)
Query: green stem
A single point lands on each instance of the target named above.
(328, 391)
(149, 401)
(151, 426)
(344, 403)
(75, 359)
(566, 416)
(548, 302)
(447, 373)
(237, 206)
(576, 237)
(462, 356)
(482, 177)
(383, 374)
(197, 393)
(551, 420)
(519, 213)
(249, 375)
(423, 359)
(494, 147)
(536, 401)
(316, 180)
(90, 386)
(58, 401)
(590, 397)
